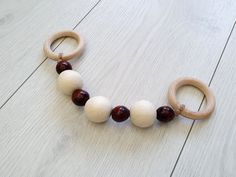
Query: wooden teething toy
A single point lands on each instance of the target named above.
(98, 109)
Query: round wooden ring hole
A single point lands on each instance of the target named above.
(180, 108)
(60, 56)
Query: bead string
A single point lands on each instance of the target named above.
(180, 109)
(97, 105)
(60, 56)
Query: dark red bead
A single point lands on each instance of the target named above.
(80, 97)
(165, 114)
(62, 66)
(120, 113)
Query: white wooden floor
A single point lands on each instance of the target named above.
(134, 49)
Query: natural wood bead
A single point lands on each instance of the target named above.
(80, 97)
(143, 114)
(62, 66)
(68, 81)
(98, 109)
(120, 113)
(165, 114)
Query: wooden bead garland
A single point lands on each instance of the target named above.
(98, 109)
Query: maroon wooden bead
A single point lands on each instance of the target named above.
(62, 66)
(165, 114)
(120, 113)
(80, 97)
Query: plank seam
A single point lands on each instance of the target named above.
(209, 84)
(31, 74)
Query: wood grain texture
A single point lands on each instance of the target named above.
(134, 49)
(210, 149)
(24, 25)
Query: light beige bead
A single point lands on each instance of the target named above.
(68, 81)
(98, 109)
(143, 114)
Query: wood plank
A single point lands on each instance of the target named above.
(211, 146)
(133, 52)
(23, 27)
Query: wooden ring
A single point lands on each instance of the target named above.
(60, 56)
(180, 108)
